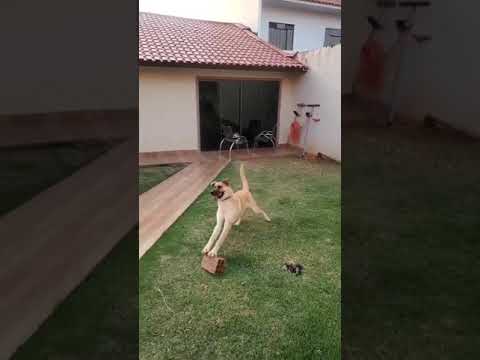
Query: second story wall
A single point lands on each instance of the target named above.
(309, 32)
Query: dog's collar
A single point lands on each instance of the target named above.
(226, 198)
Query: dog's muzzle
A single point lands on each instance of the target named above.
(217, 194)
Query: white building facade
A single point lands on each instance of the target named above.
(298, 25)
(170, 115)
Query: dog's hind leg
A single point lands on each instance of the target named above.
(257, 210)
(226, 229)
(216, 232)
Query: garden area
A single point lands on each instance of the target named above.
(256, 310)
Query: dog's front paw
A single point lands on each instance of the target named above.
(212, 252)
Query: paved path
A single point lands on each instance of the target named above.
(161, 206)
(52, 242)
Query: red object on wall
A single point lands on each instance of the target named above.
(372, 66)
(295, 131)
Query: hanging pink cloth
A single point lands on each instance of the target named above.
(295, 132)
(372, 66)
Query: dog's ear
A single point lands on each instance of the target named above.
(226, 182)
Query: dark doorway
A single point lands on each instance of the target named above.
(248, 106)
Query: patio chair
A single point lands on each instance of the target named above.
(235, 139)
(266, 137)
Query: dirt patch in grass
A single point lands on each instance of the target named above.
(256, 310)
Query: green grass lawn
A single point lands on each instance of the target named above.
(99, 320)
(149, 176)
(255, 310)
(27, 171)
(88, 324)
(410, 245)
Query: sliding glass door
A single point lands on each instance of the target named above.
(248, 106)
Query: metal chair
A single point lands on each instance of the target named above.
(267, 136)
(234, 138)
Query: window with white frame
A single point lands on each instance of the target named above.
(281, 35)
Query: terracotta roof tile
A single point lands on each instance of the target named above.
(170, 40)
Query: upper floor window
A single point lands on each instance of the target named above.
(281, 35)
(332, 37)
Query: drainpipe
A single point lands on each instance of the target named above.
(259, 18)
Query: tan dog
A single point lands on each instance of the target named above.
(231, 208)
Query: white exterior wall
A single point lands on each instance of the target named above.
(167, 110)
(322, 85)
(168, 105)
(438, 76)
(309, 26)
(238, 11)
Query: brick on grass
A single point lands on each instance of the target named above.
(213, 264)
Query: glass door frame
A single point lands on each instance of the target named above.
(277, 79)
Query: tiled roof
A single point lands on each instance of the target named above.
(175, 41)
(326, 2)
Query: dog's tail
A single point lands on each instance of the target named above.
(243, 177)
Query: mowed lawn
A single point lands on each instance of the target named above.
(411, 244)
(256, 310)
(149, 176)
(99, 319)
